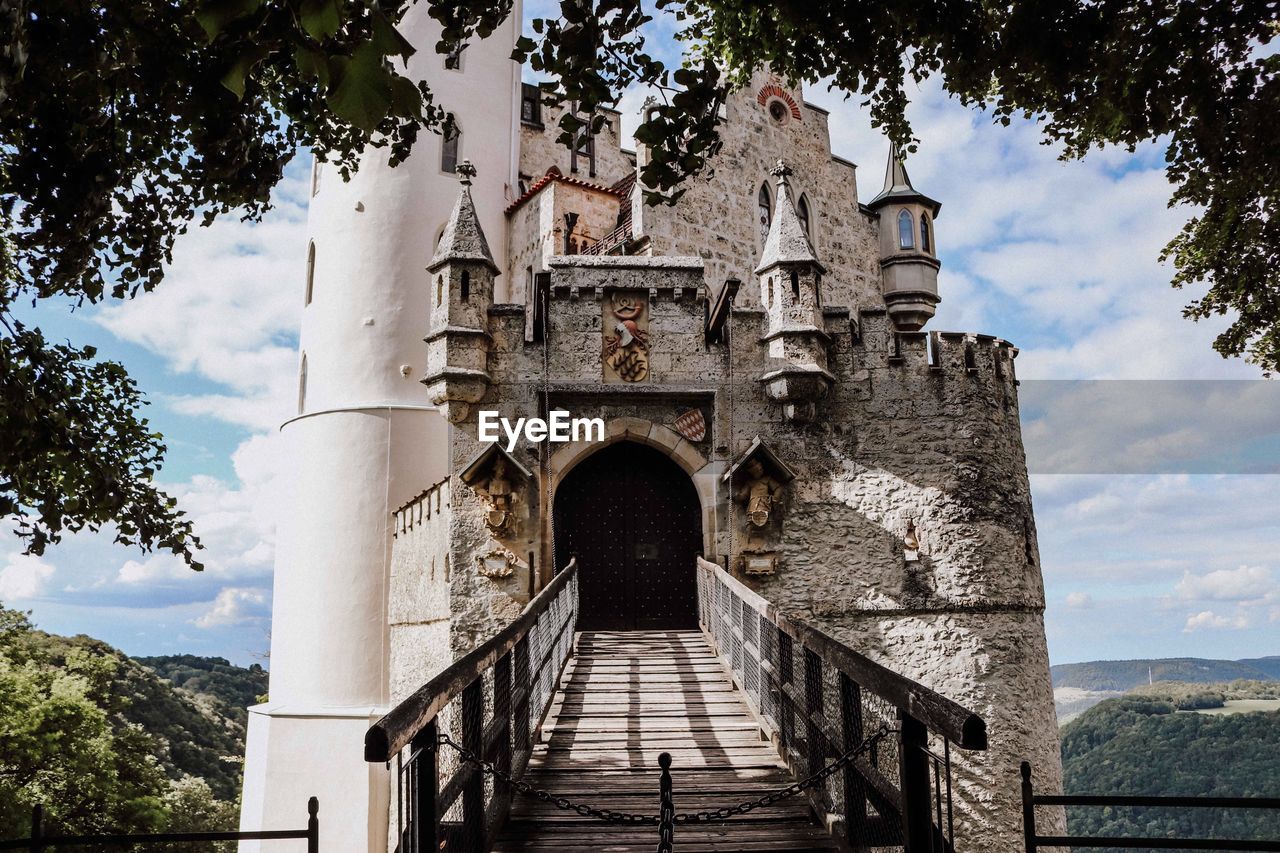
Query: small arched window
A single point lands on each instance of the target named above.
(449, 149)
(439, 290)
(302, 385)
(795, 284)
(906, 231)
(926, 239)
(466, 285)
(764, 208)
(311, 270)
(802, 211)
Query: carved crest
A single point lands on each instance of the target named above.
(692, 425)
(626, 337)
(496, 564)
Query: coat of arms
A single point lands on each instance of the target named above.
(626, 338)
(692, 425)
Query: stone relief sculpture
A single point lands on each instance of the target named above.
(626, 350)
(760, 492)
(500, 496)
(498, 480)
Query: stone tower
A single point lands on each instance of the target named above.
(791, 293)
(463, 274)
(908, 257)
(366, 437)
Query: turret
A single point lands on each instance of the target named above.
(908, 253)
(790, 278)
(462, 274)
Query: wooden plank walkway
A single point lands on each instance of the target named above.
(628, 697)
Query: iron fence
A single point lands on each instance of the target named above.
(39, 841)
(492, 703)
(820, 699)
(1034, 841)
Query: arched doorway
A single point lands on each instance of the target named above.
(632, 518)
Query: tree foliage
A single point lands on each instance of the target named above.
(1139, 745)
(106, 745)
(122, 122)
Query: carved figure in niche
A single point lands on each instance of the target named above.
(500, 496)
(626, 352)
(760, 493)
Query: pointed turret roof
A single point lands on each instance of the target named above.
(897, 185)
(463, 238)
(787, 242)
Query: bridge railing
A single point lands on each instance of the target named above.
(490, 703)
(1035, 842)
(821, 699)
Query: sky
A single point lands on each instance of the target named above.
(1153, 460)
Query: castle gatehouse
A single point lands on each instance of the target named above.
(780, 431)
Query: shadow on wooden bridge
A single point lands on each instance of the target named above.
(547, 739)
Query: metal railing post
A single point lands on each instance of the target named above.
(424, 822)
(37, 829)
(855, 792)
(473, 811)
(913, 766)
(313, 825)
(1028, 809)
(666, 807)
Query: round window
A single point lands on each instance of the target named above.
(778, 111)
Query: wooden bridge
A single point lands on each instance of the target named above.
(779, 738)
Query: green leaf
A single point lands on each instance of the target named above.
(313, 62)
(214, 15)
(388, 39)
(362, 95)
(320, 18)
(406, 100)
(235, 78)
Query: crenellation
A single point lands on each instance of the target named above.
(879, 432)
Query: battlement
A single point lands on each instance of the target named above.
(421, 508)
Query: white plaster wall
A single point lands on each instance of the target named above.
(366, 440)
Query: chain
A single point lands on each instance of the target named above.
(488, 768)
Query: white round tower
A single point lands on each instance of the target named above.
(365, 440)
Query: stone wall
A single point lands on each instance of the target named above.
(919, 428)
(717, 218)
(539, 150)
(418, 605)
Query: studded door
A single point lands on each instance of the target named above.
(632, 518)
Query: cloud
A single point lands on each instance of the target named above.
(1151, 426)
(1079, 601)
(1245, 584)
(233, 606)
(24, 577)
(229, 310)
(1208, 620)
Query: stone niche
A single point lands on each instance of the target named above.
(757, 482)
(501, 482)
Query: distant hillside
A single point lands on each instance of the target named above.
(231, 689)
(1122, 675)
(105, 743)
(1141, 744)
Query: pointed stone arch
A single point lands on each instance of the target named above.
(703, 472)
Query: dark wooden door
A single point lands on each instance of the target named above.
(632, 518)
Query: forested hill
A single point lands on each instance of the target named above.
(229, 688)
(1141, 744)
(1122, 675)
(107, 743)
